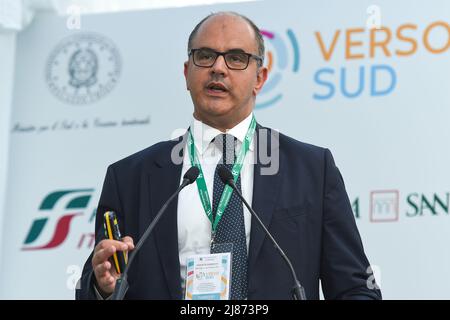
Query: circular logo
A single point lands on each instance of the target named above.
(83, 68)
(279, 58)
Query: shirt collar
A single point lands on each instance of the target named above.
(203, 133)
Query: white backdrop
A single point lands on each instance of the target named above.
(8, 45)
(378, 99)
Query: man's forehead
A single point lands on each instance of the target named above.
(228, 31)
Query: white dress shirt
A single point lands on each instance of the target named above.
(194, 227)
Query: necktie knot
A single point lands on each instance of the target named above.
(226, 143)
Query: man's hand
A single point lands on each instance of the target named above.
(104, 272)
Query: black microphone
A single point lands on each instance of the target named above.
(122, 283)
(298, 292)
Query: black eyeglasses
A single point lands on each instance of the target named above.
(234, 59)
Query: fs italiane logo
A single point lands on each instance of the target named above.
(57, 212)
(282, 55)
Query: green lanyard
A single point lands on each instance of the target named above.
(236, 170)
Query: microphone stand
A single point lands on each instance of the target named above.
(122, 285)
(298, 292)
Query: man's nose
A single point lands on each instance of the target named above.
(219, 65)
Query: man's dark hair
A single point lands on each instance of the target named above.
(258, 36)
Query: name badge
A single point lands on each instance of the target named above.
(208, 277)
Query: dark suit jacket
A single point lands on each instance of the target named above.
(304, 206)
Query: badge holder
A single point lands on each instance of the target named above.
(208, 276)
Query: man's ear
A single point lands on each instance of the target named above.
(261, 78)
(185, 71)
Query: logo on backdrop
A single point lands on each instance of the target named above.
(348, 62)
(352, 57)
(390, 206)
(59, 208)
(285, 55)
(83, 68)
(384, 205)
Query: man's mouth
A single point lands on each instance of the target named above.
(216, 87)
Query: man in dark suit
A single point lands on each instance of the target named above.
(295, 188)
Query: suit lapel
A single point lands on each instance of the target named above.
(265, 193)
(164, 180)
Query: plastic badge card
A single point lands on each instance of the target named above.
(208, 277)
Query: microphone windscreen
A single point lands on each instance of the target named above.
(192, 174)
(225, 174)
